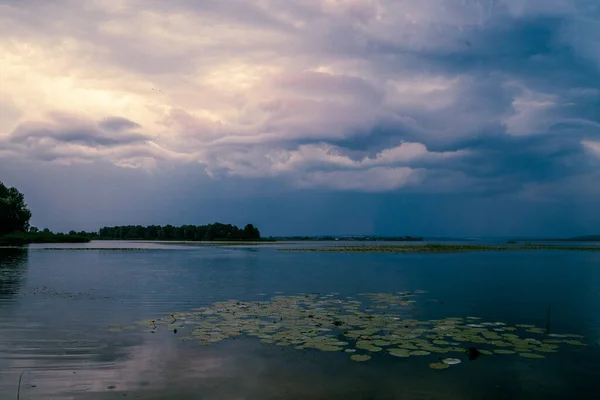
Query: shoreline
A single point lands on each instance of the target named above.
(434, 248)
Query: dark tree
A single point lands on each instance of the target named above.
(14, 214)
(216, 231)
(250, 232)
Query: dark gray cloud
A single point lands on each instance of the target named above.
(68, 128)
(117, 124)
(495, 101)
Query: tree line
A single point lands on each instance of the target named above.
(210, 232)
(15, 228)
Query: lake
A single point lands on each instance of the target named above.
(56, 306)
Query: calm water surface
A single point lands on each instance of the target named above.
(55, 306)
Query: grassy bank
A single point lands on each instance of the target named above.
(434, 248)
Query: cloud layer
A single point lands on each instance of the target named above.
(357, 95)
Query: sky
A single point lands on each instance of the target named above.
(377, 117)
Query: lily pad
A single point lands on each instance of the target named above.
(531, 355)
(360, 357)
(575, 343)
(502, 351)
(545, 350)
(399, 353)
(438, 366)
(419, 353)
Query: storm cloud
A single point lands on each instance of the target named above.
(479, 97)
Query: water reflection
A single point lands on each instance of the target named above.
(245, 369)
(13, 266)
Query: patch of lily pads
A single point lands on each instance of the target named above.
(361, 326)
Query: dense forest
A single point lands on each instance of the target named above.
(216, 231)
(15, 228)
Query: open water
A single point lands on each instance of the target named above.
(56, 305)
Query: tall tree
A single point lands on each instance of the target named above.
(14, 214)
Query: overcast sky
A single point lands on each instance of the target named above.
(428, 117)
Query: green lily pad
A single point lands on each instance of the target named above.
(419, 353)
(399, 352)
(531, 355)
(360, 357)
(544, 350)
(502, 351)
(438, 366)
(574, 343)
(536, 330)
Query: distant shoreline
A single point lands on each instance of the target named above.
(368, 243)
(373, 248)
(433, 248)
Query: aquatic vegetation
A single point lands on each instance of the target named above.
(501, 351)
(531, 355)
(360, 325)
(438, 366)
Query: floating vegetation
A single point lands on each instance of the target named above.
(360, 325)
(501, 351)
(420, 353)
(45, 291)
(531, 355)
(400, 352)
(438, 366)
(433, 248)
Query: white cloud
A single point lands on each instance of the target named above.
(592, 146)
(257, 161)
(532, 113)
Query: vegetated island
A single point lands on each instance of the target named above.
(433, 248)
(186, 233)
(16, 230)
